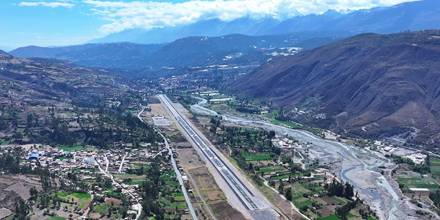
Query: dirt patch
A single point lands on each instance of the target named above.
(14, 187)
(225, 211)
(4, 212)
(212, 194)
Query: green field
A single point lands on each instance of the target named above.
(114, 194)
(270, 169)
(62, 195)
(288, 124)
(82, 198)
(131, 179)
(55, 218)
(256, 156)
(330, 217)
(179, 197)
(72, 148)
(101, 208)
(417, 182)
(435, 167)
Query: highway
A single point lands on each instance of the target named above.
(255, 203)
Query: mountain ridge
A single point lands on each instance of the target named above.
(369, 85)
(416, 15)
(185, 52)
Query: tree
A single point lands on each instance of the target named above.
(281, 187)
(288, 194)
(33, 192)
(348, 191)
(21, 209)
(435, 197)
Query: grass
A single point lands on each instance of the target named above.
(179, 197)
(82, 195)
(280, 177)
(72, 148)
(417, 182)
(330, 217)
(101, 208)
(3, 142)
(270, 169)
(257, 156)
(288, 124)
(114, 194)
(62, 195)
(435, 167)
(55, 218)
(133, 178)
(82, 198)
(302, 203)
(340, 201)
(371, 218)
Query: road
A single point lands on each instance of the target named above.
(137, 206)
(258, 207)
(179, 178)
(122, 163)
(176, 170)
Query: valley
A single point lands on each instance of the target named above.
(220, 110)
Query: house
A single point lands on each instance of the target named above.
(419, 192)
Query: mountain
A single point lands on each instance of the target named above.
(417, 15)
(212, 27)
(3, 54)
(43, 82)
(369, 85)
(112, 55)
(187, 52)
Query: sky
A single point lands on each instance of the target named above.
(69, 22)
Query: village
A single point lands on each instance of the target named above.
(90, 183)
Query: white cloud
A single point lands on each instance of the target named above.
(122, 15)
(55, 4)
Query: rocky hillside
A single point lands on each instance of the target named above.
(369, 85)
(50, 81)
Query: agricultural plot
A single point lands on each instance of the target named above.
(435, 167)
(131, 179)
(82, 199)
(257, 156)
(417, 182)
(72, 148)
(55, 218)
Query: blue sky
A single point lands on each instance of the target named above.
(67, 22)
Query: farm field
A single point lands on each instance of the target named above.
(417, 182)
(257, 156)
(435, 167)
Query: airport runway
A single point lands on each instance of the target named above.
(249, 198)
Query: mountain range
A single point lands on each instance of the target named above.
(370, 85)
(186, 52)
(416, 15)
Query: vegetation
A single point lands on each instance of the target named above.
(336, 188)
(435, 197)
(161, 194)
